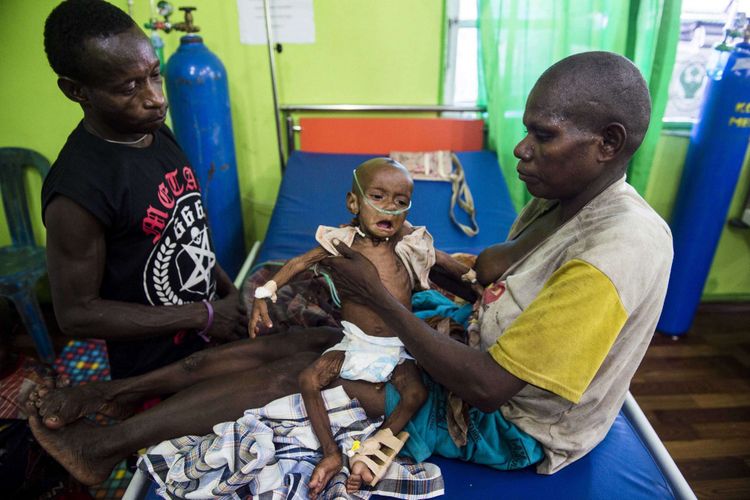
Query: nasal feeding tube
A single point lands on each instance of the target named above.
(381, 210)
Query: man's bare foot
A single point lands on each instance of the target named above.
(324, 471)
(360, 474)
(60, 406)
(77, 447)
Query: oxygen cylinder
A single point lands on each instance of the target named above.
(718, 144)
(198, 97)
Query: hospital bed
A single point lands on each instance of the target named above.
(631, 462)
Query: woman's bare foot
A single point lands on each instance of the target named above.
(77, 447)
(324, 471)
(60, 406)
(360, 474)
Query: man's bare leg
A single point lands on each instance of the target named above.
(90, 452)
(58, 407)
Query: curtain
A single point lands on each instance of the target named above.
(519, 39)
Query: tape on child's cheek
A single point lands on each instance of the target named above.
(400, 211)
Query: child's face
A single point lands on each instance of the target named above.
(126, 88)
(388, 188)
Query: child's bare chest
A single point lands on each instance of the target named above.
(390, 267)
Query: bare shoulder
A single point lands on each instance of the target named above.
(61, 207)
(69, 220)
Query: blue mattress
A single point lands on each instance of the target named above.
(314, 188)
(630, 463)
(621, 466)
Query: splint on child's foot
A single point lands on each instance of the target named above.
(378, 451)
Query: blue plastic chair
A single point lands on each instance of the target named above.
(23, 263)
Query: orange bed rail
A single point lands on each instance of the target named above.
(383, 135)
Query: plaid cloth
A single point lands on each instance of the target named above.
(270, 454)
(16, 386)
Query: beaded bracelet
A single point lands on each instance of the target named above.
(203, 333)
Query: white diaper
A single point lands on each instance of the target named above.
(369, 358)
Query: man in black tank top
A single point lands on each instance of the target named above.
(129, 250)
(131, 260)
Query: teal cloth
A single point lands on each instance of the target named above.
(491, 440)
(431, 303)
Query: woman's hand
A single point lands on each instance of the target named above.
(259, 315)
(354, 275)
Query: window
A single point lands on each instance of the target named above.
(702, 27)
(461, 75)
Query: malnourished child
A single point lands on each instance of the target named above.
(403, 255)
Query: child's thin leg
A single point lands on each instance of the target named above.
(312, 380)
(408, 381)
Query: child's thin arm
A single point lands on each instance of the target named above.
(450, 265)
(451, 275)
(298, 264)
(288, 271)
(442, 259)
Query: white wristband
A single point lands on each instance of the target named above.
(267, 291)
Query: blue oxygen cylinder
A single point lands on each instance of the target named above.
(718, 144)
(198, 97)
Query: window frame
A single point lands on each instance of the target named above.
(453, 25)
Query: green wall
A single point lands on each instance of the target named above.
(378, 52)
(384, 52)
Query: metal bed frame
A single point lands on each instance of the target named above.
(287, 112)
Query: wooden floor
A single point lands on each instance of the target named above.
(696, 393)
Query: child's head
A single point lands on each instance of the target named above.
(585, 116)
(105, 63)
(380, 197)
